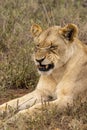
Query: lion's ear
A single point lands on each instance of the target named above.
(36, 30)
(70, 31)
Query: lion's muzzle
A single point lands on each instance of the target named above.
(45, 67)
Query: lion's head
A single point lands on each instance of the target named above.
(53, 47)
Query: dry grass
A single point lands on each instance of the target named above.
(16, 66)
(72, 118)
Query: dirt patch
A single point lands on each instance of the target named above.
(9, 94)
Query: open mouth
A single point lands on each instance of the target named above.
(45, 67)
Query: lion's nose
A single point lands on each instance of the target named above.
(40, 60)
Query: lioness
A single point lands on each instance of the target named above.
(61, 60)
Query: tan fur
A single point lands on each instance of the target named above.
(60, 85)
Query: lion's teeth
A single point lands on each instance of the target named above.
(46, 66)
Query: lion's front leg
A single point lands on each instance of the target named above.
(9, 108)
(21, 119)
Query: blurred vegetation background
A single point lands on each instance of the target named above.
(16, 44)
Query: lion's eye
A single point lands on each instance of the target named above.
(53, 47)
(37, 46)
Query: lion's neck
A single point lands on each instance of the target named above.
(58, 73)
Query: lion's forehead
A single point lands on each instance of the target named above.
(48, 36)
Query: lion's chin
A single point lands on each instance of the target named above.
(45, 72)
